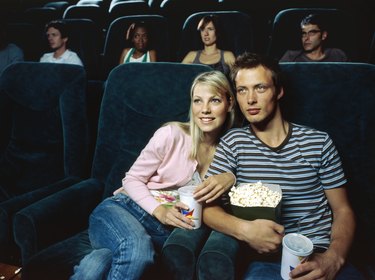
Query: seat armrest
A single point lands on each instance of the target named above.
(56, 217)
(11, 206)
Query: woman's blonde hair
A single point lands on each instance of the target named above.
(219, 83)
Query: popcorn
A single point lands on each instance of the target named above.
(254, 195)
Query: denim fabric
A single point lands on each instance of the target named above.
(94, 266)
(181, 251)
(133, 236)
(271, 271)
(218, 257)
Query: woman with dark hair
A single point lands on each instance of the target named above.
(139, 37)
(221, 60)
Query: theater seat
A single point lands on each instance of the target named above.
(44, 138)
(138, 99)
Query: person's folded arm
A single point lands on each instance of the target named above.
(264, 236)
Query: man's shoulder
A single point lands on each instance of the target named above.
(307, 131)
(236, 132)
(335, 54)
(291, 55)
(46, 56)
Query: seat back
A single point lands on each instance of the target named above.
(339, 98)
(29, 38)
(92, 12)
(43, 125)
(40, 16)
(115, 40)
(236, 29)
(127, 8)
(85, 39)
(138, 99)
(286, 31)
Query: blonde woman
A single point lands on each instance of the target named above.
(133, 225)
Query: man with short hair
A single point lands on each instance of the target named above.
(314, 35)
(306, 165)
(57, 36)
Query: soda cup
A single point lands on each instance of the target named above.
(296, 249)
(195, 208)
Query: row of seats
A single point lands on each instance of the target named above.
(100, 52)
(176, 11)
(49, 221)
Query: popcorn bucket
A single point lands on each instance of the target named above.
(258, 212)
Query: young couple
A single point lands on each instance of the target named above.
(131, 228)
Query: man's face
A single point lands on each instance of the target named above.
(256, 95)
(312, 37)
(54, 39)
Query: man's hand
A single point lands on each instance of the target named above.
(318, 266)
(173, 217)
(264, 236)
(213, 187)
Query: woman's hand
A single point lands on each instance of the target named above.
(214, 186)
(172, 216)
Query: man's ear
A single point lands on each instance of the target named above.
(280, 94)
(231, 104)
(324, 35)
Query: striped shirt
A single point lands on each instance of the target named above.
(306, 164)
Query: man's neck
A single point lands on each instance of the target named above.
(317, 54)
(59, 52)
(274, 132)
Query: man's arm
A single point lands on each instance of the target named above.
(264, 236)
(327, 265)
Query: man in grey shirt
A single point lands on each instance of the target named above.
(314, 35)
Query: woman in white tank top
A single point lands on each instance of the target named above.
(139, 36)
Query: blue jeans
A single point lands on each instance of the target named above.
(201, 253)
(271, 271)
(94, 266)
(181, 251)
(133, 237)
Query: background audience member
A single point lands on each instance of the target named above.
(221, 60)
(9, 53)
(137, 220)
(314, 35)
(139, 37)
(57, 35)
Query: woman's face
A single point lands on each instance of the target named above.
(140, 39)
(209, 108)
(208, 34)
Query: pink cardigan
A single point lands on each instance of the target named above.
(163, 163)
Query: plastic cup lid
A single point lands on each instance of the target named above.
(298, 244)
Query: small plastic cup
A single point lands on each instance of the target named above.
(296, 249)
(195, 208)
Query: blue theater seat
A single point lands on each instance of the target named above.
(44, 138)
(138, 99)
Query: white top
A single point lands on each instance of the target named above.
(129, 57)
(67, 57)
